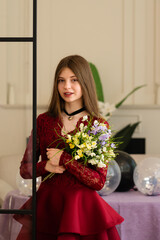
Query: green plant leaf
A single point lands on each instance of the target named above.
(130, 93)
(98, 83)
(124, 135)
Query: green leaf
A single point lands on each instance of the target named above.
(98, 83)
(124, 135)
(135, 89)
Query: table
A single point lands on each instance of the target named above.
(141, 214)
(9, 228)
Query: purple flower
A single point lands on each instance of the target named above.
(113, 145)
(103, 137)
(94, 132)
(103, 143)
(101, 128)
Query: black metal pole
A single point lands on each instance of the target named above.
(34, 40)
(28, 39)
(34, 116)
(16, 39)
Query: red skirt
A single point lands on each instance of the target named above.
(70, 211)
(109, 234)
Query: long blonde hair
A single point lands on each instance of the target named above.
(80, 67)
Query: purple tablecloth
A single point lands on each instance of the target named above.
(141, 214)
(9, 228)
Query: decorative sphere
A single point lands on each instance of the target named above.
(25, 185)
(112, 179)
(127, 165)
(147, 176)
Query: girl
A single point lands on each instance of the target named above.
(68, 206)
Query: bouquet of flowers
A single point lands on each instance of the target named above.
(91, 144)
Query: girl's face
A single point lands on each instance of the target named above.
(69, 87)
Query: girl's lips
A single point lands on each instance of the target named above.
(67, 94)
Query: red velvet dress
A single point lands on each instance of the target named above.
(68, 206)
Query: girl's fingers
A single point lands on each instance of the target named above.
(50, 152)
(51, 149)
(59, 169)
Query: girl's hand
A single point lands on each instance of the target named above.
(54, 154)
(52, 165)
(54, 169)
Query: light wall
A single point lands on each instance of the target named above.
(148, 128)
(121, 37)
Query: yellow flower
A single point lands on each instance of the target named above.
(88, 146)
(111, 153)
(90, 138)
(102, 124)
(80, 154)
(75, 140)
(94, 144)
(77, 134)
(71, 145)
(68, 138)
(85, 135)
(81, 126)
(83, 145)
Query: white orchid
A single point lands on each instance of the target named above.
(85, 118)
(106, 109)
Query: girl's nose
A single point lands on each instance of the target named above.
(67, 84)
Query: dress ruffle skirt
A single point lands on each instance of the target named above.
(70, 211)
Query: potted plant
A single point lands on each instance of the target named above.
(124, 135)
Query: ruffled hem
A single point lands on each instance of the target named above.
(80, 211)
(89, 214)
(110, 234)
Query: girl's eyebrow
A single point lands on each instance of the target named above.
(70, 77)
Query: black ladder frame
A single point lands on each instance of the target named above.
(34, 41)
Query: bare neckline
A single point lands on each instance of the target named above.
(72, 131)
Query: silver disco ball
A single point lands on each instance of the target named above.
(112, 180)
(147, 176)
(25, 185)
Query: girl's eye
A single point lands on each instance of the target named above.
(60, 80)
(75, 80)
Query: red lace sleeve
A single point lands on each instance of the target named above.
(94, 179)
(27, 161)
